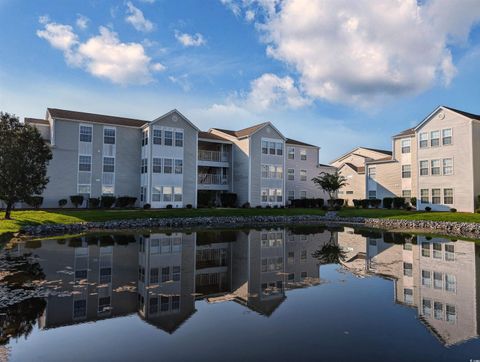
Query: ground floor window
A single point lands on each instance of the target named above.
(291, 195)
(167, 194)
(448, 196)
(303, 194)
(436, 196)
(271, 195)
(424, 196)
(372, 194)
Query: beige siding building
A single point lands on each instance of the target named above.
(352, 166)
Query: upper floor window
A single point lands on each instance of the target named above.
(271, 148)
(406, 171)
(435, 167)
(372, 172)
(144, 166)
(84, 163)
(156, 165)
(447, 136)
(435, 138)
(447, 166)
(406, 146)
(178, 139)
(178, 167)
(423, 139)
(167, 165)
(303, 175)
(85, 133)
(372, 194)
(108, 164)
(168, 138)
(109, 136)
(157, 136)
(303, 154)
(265, 147)
(291, 153)
(279, 148)
(423, 168)
(145, 137)
(291, 174)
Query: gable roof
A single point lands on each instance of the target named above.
(381, 160)
(475, 117)
(95, 118)
(357, 169)
(407, 132)
(212, 136)
(299, 143)
(37, 121)
(385, 152)
(181, 115)
(466, 114)
(249, 131)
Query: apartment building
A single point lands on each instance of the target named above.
(169, 161)
(351, 165)
(437, 162)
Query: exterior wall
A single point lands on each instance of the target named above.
(387, 182)
(461, 151)
(476, 161)
(357, 157)
(297, 164)
(407, 184)
(257, 182)
(355, 188)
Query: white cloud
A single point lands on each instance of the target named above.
(249, 15)
(190, 40)
(182, 81)
(137, 20)
(104, 55)
(82, 22)
(363, 52)
(270, 91)
(233, 5)
(148, 1)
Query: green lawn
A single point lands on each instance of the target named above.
(20, 218)
(30, 217)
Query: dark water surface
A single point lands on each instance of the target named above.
(283, 294)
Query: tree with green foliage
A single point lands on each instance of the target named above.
(330, 183)
(24, 158)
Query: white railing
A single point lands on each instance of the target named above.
(212, 179)
(216, 156)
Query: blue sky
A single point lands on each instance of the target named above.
(338, 74)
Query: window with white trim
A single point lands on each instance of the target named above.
(438, 310)
(291, 153)
(423, 140)
(447, 136)
(424, 198)
(435, 167)
(448, 166)
(423, 168)
(167, 165)
(291, 174)
(279, 148)
(406, 171)
(167, 193)
(303, 154)
(426, 278)
(436, 196)
(168, 141)
(144, 165)
(291, 195)
(450, 313)
(303, 195)
(407, 195)
(271, 148)
(157, 193)
(84, 163)
(109, 136)
(448, 196)
(86, 133)
(157, 136)
(406, 143)
(435, 138)
(178, 139)
(178, 167)
(156, 165)
(265, 147)
(178, 194)
(372, 173)
(145, 137)
(303, 175)
(372, 194)
(108, 164)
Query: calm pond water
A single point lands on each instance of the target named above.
(284, 294)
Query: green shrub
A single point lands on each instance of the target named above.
(375, 203)
(169, 206)
(364, 203)
(125, 201)
(453, 209)
(310, 203)
(107, 202)
(93, 202)
(387, 202)
(189, 206)
(357, 203)
(76, 200)
(228, 199)
(398, 202)
(147, 206)
(428, 209)
(413, 201)
(62, 202)
(268, 207)
(246, 205)
(34, 201)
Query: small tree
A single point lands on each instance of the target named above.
(24, 157)
(330, 183)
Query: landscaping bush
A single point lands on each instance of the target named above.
(62, 202)
(413, 201)
(189, 206)
(146, 206)
(428, 209)
(398, 202)
(246, 205)
(409, 208)
(268, 207)
(308, 203)
(169, 206)
(125, 201)
(275, 206)
(357, 203)
(76, 200)
(338, 202)
(107, 201)
(375, 203)
(228, 199)
(93, 202)
(258, 207)
(364, 203)
(34, 201)
(453, 209)
(387, 202)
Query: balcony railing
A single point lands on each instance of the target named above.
(212, 179)
(215, 156)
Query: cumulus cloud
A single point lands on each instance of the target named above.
(137, 20)
(270, 91)
(233, 5)
(104, 55)
(363, 52)
(190, 40)
(182, 81)
(82, 22)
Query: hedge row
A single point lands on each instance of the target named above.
(105, 202)
(388, 203)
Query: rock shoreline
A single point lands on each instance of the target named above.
(469, 230)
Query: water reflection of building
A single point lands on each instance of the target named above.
(437, 276)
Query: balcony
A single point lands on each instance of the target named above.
(209, 181)
(213, 158)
